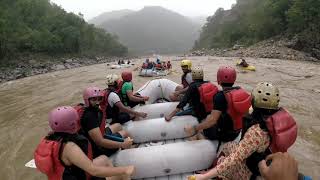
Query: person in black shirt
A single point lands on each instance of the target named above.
(192, 96)
(93, 126)
(219, 122)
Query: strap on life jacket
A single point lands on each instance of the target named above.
(80, 109)
(239, 102)
(207, 91)
(184, 82)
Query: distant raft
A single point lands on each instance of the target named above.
(153, 73)
(117, 66)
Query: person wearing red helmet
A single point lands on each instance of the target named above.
(93, 124)
(229, 106)
(128, 98)
(64, 155)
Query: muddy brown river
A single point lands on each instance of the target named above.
(26, 102)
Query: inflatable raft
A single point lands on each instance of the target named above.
(157, 89)
(158, 129)
(173, 159)
(152, 73)
(157, 110)
(163, 152)
(117, 66)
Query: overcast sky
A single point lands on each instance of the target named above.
(92, 8)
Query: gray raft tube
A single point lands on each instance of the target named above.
(159, 129)
(168, 159)
(157, 89)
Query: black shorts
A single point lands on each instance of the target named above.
(108, 152)
(214, 133)
(211, 133)
(122, 118)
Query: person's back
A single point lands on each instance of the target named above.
(194, 96)
(65, 155)
(127, 86)
(149, 65)
(128, 98)
(268, 130)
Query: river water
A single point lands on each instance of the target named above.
(26, 102)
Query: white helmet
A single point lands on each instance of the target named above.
(112, 79)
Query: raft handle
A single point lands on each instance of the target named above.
(167, 170)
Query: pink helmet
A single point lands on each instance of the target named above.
(126, 76)
(226, 74)
(64, 119)
(91, 92)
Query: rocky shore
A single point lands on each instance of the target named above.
(32, 67)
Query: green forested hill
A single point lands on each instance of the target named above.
(250, 21)
(38, 26)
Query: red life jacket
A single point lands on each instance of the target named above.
(207, 91)
(158, 66)
(239, 102)
(81, 108)
(119, 87)
(184, 82)
(282, 130)
(47, 158)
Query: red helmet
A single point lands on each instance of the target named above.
(126, 76)
(226, 74)
(91, 92)
(64, 119)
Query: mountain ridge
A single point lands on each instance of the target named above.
(154, 29)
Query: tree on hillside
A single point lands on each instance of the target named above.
(250, 21)
(38, 26)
